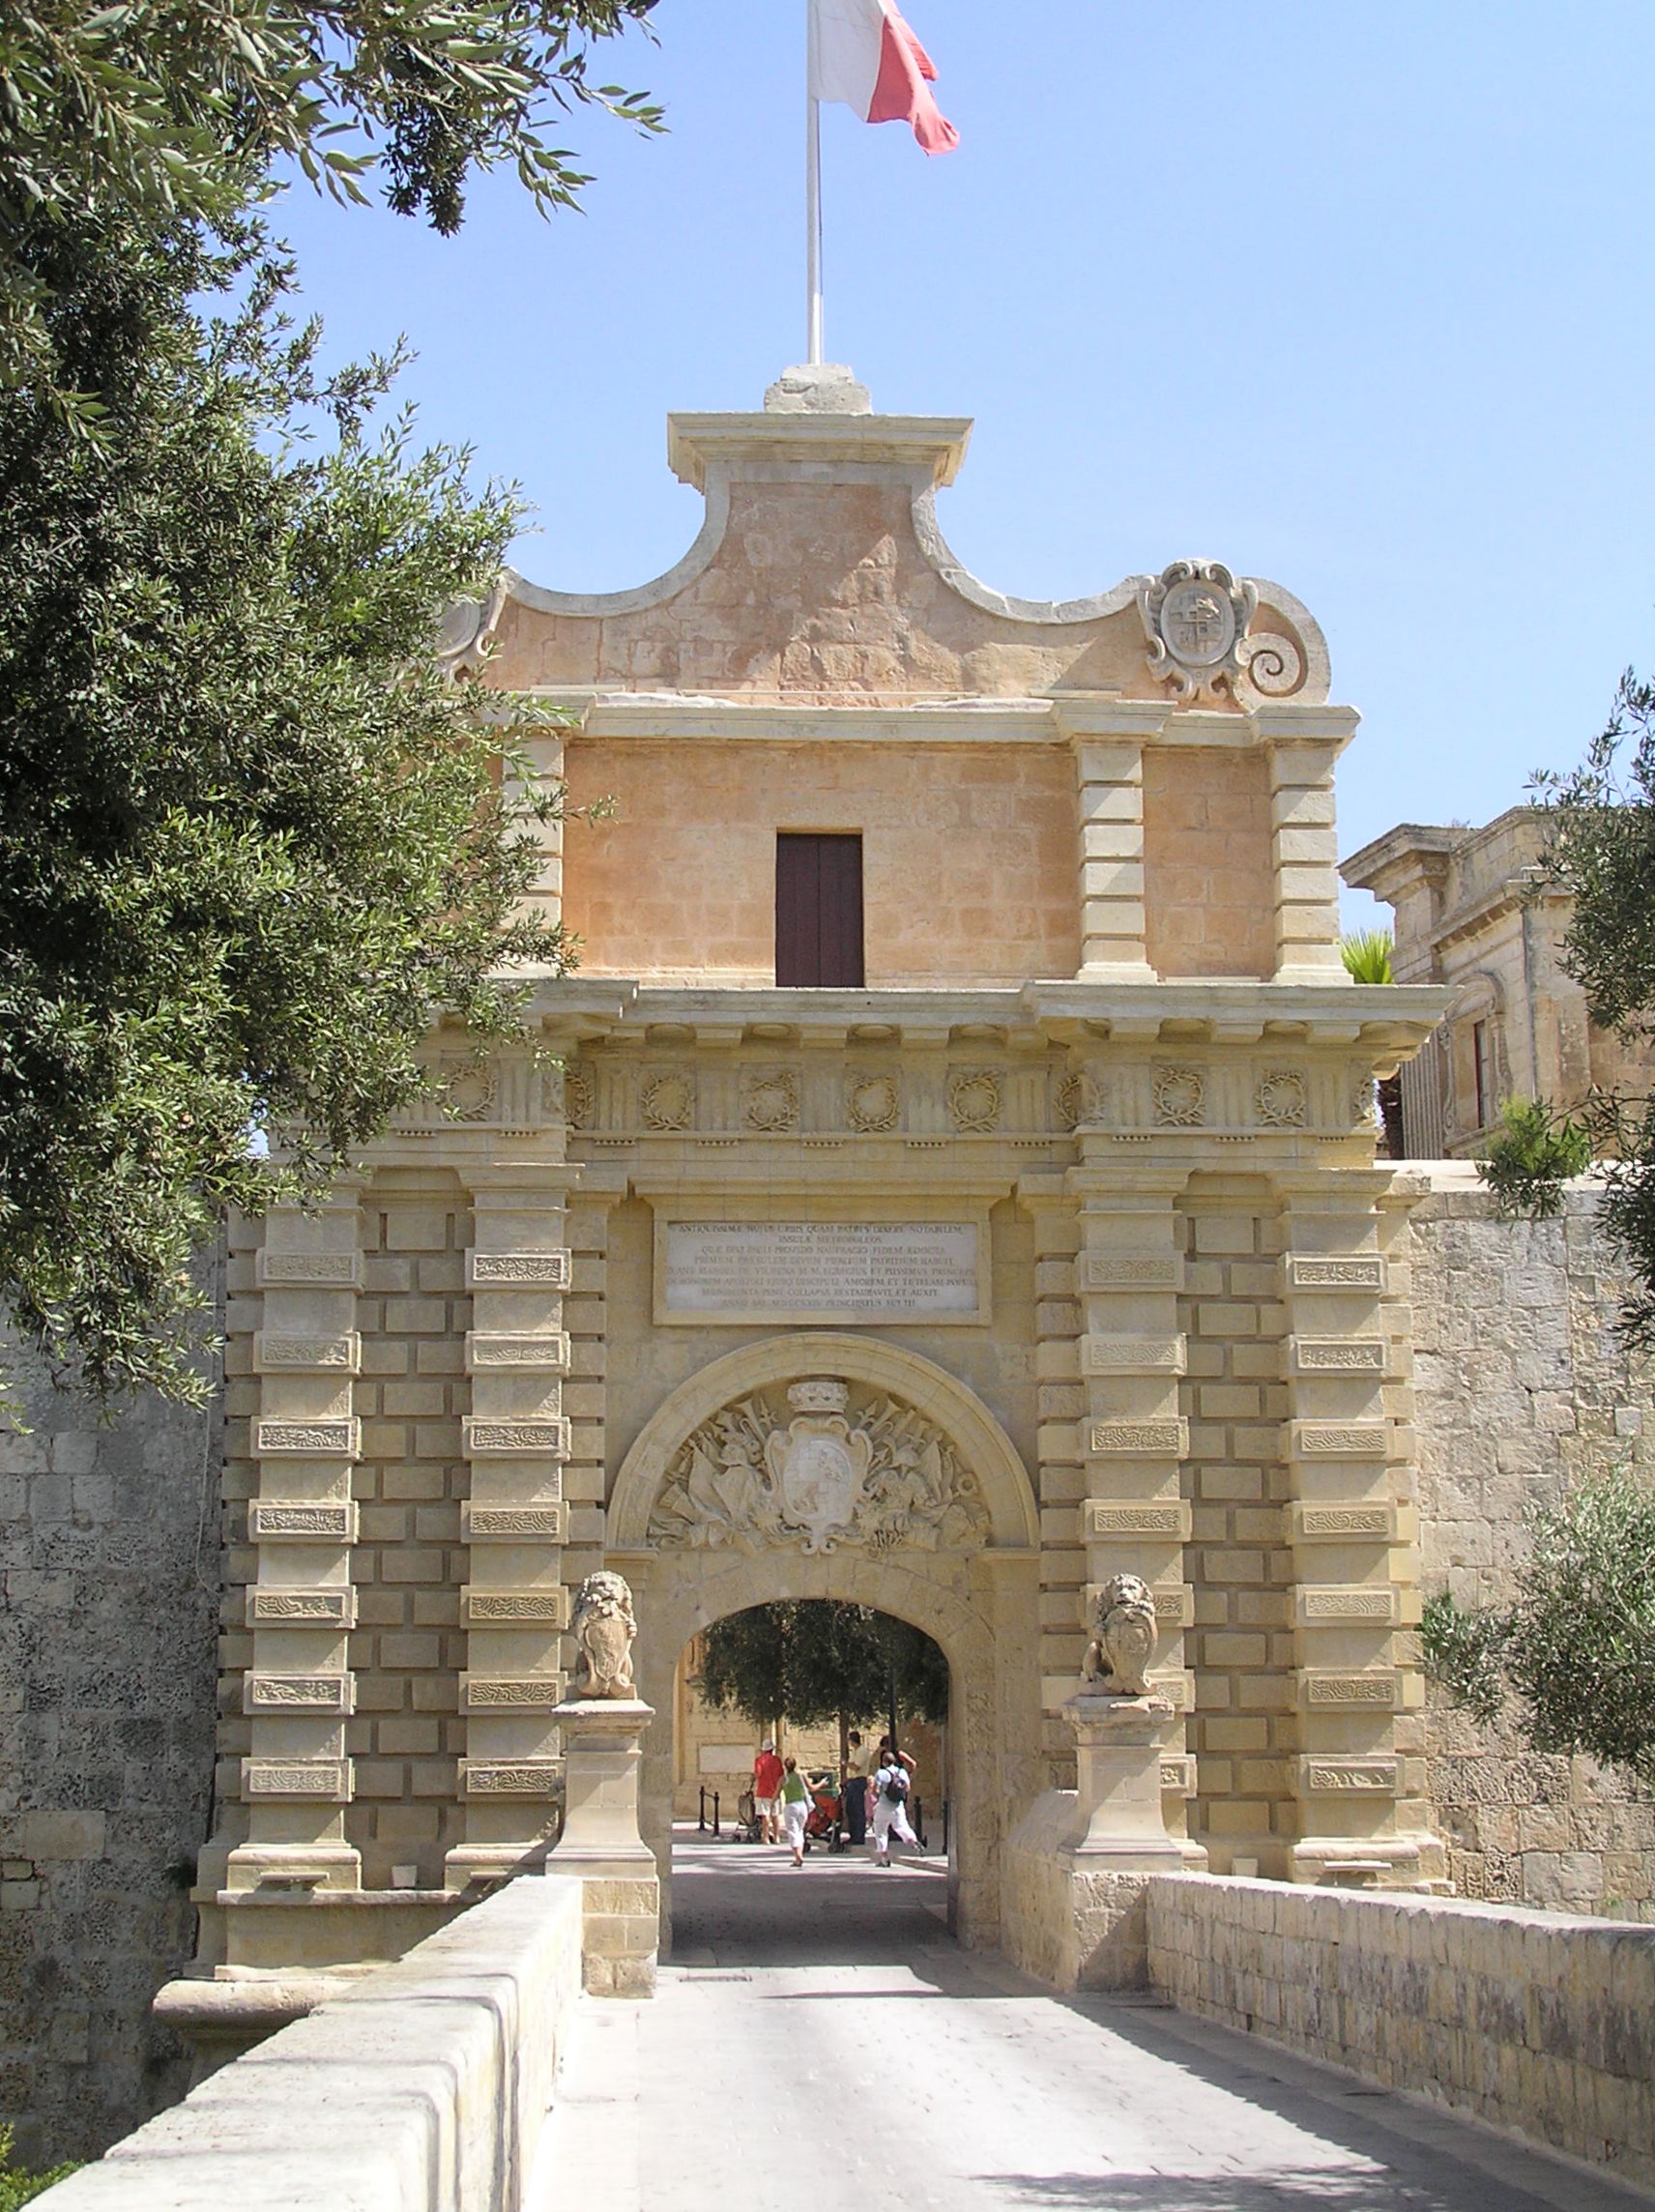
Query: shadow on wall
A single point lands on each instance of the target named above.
(108, 1621)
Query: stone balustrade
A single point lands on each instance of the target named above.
(422, 2090)
(1538, 2022)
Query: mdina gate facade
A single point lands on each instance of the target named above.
(947, 1183)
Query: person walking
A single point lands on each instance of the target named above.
(893, 1781)
(767, 1793)
(855, 1790)
(794, 1808)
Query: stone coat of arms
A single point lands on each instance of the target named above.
(881, 1478)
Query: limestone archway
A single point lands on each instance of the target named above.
(968, 1581)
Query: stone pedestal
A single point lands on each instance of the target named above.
(1077, 1863)
(602, 1749)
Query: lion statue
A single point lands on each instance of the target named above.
(1123, 1638)
(604, 1626)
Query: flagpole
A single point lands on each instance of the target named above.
(812, 200)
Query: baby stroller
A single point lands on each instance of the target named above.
(824, 1821)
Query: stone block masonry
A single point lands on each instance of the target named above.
(1525, 1385)
(108, 1610)
(1541, 2023)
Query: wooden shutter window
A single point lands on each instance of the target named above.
(819, 911)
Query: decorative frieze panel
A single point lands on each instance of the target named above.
(1132, 1272)
(263, 1692)
(275, 1352)
(1359, 1271)
(1162, 1520)
(1178, 1775)
(1346, 1605)
(873, 1103)
(1368, 1690)
(1137, 1440)
(1358, 1524)
(547, 1524)
(518, 1270)
(1281, 1099)
(1339, 1440)
(547, 1606)
(303, 1521)
(332, 1608)
(1330, 1776)
(307, 1271)
(1338, 1354)
(547, 1354)
(482, 1438)
(1179, 1098)
(514, 1693)
(510, 1778)
(1132, 1355)
(327, 1780)
(1173, 1603)
(307, 1440)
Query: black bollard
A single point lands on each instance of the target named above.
(715, 1815)
(701, 1822)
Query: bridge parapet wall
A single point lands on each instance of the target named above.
(1538, 2022)
(422, 2090)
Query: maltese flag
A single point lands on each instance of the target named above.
(862, 52)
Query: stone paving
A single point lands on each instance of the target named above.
(819, 2041)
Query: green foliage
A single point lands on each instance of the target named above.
(1463, 1649)
(1532, 1154)
(1578, 1641)
(1367, 955)
(1601, 849)
(18, 2187)
(146, 111)
(254, 842)
(809, 1660)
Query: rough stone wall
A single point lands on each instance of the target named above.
(1523, 1387)
(109, 1609)
(1545, 2026)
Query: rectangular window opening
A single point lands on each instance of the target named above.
(819, 911)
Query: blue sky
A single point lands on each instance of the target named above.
(1353, 298)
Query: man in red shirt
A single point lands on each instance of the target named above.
(767, 1793)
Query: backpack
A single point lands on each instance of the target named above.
(895, 1791)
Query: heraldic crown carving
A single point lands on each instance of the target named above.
(877, 1478)
(1123, 1639)
(604, 1627)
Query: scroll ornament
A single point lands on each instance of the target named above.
(885, 1478)
(1123, 1639)
(604, 1627)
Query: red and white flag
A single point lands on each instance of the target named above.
(862, 52)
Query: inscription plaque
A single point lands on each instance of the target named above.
(820, 1271)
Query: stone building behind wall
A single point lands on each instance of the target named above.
(1477, 912)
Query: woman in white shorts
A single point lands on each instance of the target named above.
(794, 1809)
(890, 1786)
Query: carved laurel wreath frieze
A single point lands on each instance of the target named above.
(974, 1100)
(1179, 1095)
(873, 1103)
(580, 1095)
(770, 1100)
(667, 1102)
(1280, 1099)
(875, 1477)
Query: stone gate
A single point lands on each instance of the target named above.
(951, 1185)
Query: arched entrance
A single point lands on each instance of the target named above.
(843, 1466)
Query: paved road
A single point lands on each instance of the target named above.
(818, 2042)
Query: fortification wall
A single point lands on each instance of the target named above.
(108, 1615)
(1524, 1386)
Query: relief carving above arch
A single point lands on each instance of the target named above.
(879, 1449)
(863, 1471)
